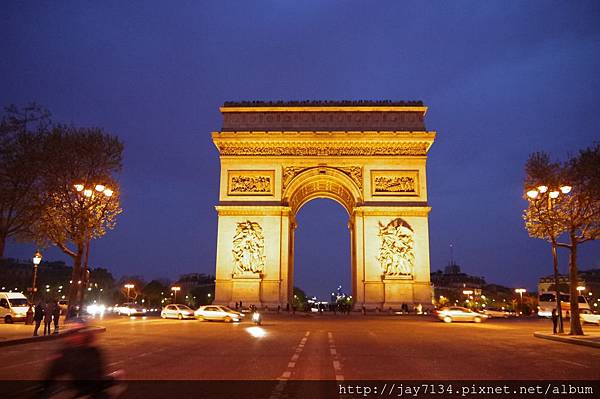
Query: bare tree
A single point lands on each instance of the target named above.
(20, 134)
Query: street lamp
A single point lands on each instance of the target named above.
(175, 290)
(128, 286)
(580, 288)
(535, 194)
(37, 259)
(521, 291)
(89, 198)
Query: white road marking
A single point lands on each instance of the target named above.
(337, 365)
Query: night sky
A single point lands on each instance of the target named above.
(501, 80)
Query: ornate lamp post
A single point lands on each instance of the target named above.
(128, 286)
(538, 194)
(89, 199)
(175, 290)
(37, 258)
(521, 291)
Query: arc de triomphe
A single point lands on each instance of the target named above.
(368, 156)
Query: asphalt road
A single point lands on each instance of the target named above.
(324, 347)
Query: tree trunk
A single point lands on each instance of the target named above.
(75, 284)
(2, 245)
(574, 279)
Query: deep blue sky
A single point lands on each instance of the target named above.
(502, 79)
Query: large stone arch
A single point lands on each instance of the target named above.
(322, 182)
(369, 157)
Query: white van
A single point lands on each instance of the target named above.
(13, 306)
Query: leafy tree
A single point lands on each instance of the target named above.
(73, 207)
(299, 299)
(20, 134)
(567, 220)
(154, 291)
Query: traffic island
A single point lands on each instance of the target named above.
(590, 339)
(20, 335)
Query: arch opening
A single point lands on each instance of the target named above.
(322, 255)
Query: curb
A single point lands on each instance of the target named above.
(567, 339)
(28, 340)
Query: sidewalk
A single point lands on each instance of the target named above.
(20, 333)
(591, 338)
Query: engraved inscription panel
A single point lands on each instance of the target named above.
(395, 182)
(250, 182)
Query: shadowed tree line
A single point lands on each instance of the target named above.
(58, 186)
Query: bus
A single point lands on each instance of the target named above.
(547, 302)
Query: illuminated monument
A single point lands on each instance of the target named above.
(369, 156)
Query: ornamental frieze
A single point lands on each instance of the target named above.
(353, 172)
(318, 149)
(397, 183)
(241, 121)
(247, 182)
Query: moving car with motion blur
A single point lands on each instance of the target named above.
(495, 312)
(177, 311)
(218, 312)
(587, 316)
(458, 313)
(129, 309)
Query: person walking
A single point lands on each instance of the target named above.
(56, 316)
(48, 311)
(554, 320)
(38, 316)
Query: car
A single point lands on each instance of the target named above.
(218, 312)
(495, 312)
(177, 311)
(458, 313)
(13, 306)
(587, 316)
(130, 309)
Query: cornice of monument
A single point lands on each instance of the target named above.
(337, 143)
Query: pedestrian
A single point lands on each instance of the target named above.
(38, 316)
(56, 316)
(554, 320)
(48, 311)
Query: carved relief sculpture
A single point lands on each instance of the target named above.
(353, 172)
(396, 252)
(248, 249)
(250, 182)
(395, 182)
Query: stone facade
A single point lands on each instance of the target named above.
(371, 158)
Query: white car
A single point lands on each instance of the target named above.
(177, 311)
(493, 312)
(458, 313)
(129, 309)
(587, 316)
(13, 306)
(218, 312)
